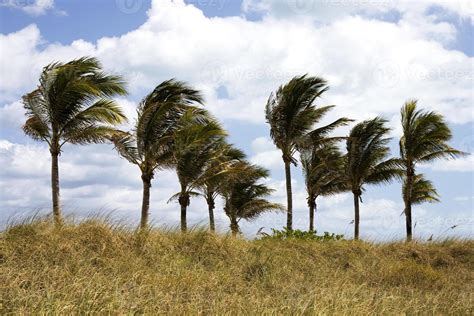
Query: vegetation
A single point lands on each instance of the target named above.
(285, 234)
(292, 114)
(195, 147)
(97, 268)
(72, 104)
(367, 162)
(323, 168)
(245, 197)
(149, 145)
(425, 138)
(227, 162)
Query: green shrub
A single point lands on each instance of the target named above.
(300, 235)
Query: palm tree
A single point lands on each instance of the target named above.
(225, 163)
(245, 197)
(72, 104)
(149, 145)
(425, 139)
(366, 160)
(196, 146)
(291, 113)
(323, 170)
(423, 191)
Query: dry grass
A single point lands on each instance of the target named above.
(95, 268)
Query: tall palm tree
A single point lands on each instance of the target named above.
(366, 160)
(323, 174)
(423, 191)
(149, 145)
(72, 104)
(425, 139)
(245, 197)
(291, 113)
(196, 146)
(225, 163)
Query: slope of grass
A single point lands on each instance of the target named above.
(94, 267)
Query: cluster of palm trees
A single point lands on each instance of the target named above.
(73, 103)
(293, 117)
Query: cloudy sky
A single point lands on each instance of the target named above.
(376, 54)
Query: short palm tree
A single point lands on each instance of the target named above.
(423, 191)
(72, 104)
(425, 139)
(246, 198)
(291, 113)
(366, 160)
(226, 162)
(323, 174)
(196, 146)
(149, 145)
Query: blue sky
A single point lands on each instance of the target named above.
(375, 54)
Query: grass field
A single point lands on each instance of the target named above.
(94, 267)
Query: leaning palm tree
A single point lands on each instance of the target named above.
(423, 191)
(149, 145)
(245, 197)
(366, 160)
(323, 174)
(225, 162)
(425, 139)
(291, 113)
(196, 146)
(72, 104)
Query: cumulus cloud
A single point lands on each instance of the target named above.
(33, 7)
(462, 164)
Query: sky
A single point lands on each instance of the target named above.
(375, 54)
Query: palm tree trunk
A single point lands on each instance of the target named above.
(356, 217)
(409, 188)
(312, 207)
(211, 205)
(145, 201)
(55, 187)
(234, 226)
(289, 197)
(184, 202)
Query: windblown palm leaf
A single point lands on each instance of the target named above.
(72, 105)
(423, 191)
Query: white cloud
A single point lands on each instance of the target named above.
(33, 7)
(458, 165)
(372, 66)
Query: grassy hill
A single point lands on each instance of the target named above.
(95, 267)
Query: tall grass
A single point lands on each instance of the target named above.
(98, 267)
